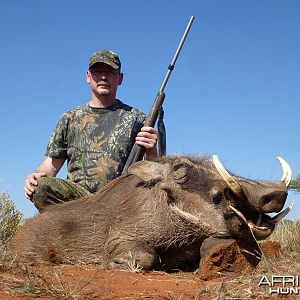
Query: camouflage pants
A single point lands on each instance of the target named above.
(52, 190)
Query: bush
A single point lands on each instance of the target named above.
(10, 219)
(295, 184)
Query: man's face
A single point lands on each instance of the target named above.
(104, 79)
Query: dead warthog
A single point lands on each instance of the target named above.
(156, 216)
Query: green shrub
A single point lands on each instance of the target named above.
(10, 219)
(295, 184)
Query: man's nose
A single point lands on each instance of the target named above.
(104, 74)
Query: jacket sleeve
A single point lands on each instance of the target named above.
(58, 145)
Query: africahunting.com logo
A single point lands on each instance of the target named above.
(281, 284)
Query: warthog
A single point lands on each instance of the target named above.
(156, 216)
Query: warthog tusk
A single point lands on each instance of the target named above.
(282, 214)
(258, 223)
(257, 255)
(258, 232)
(287, 171)
(231, 182)
(239, 214)
(248, 223)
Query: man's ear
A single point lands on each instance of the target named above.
(88, 77)
(120, 78)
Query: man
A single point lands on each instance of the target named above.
(95, 139)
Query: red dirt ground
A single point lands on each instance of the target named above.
(89, 282)
(101, 284)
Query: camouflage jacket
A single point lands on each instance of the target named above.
(95, 141)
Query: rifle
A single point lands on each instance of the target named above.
(137, 152)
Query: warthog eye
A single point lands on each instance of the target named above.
(217, 195)
(231, 196)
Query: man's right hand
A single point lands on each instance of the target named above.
(49, 167)
(31, 183)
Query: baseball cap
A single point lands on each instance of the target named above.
(106, 56)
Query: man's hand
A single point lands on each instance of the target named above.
(147, 138)
(31, 183)
(49, 167)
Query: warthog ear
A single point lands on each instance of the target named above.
(147, 170)
(182, 169)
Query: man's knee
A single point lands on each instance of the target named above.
(44, 193)
(52, 190)
(43, 184)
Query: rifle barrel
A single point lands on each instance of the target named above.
(137, 151)
(171, 66)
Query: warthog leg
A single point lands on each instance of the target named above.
(132, 256)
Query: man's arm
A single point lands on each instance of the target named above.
(49, 167)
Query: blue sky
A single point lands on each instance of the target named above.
(235, 90)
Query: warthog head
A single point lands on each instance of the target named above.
(195, 186)
(248, 202)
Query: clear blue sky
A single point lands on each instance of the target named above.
(235, 90)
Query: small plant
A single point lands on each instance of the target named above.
(10, 219)
(61, 289)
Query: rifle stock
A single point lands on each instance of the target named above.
(137, 152)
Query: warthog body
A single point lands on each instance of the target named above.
(154, 217)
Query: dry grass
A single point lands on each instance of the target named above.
(245, 286)
(287, 233)
(49, 282)
(133, 265)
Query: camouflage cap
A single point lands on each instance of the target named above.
(106, 56)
